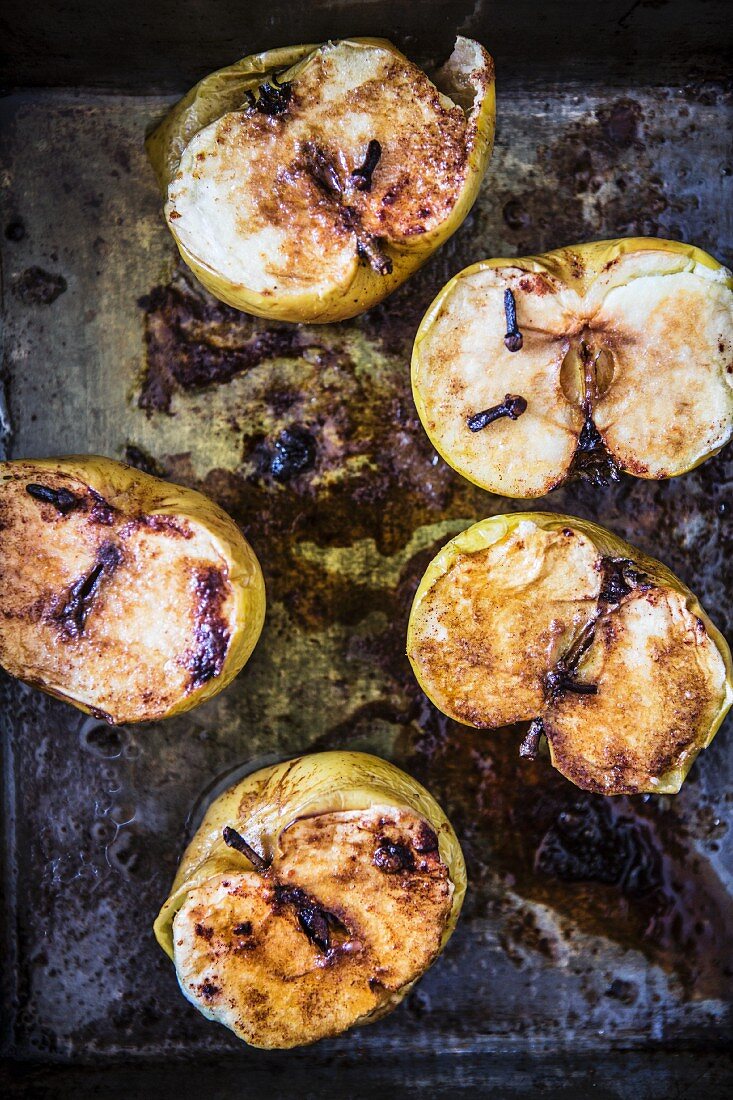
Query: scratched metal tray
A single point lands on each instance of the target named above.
(595, 945)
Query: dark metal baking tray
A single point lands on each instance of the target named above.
(595, 946)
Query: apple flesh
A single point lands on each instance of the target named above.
(331, 887)
(305, 184)
(551, 620)
(127, 596)
(625, 363)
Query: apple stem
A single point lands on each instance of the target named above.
(512, 406)
(530, 745)
(235, 840)
(513, 340)
(562, 677)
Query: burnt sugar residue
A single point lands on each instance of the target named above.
(592, 460)
(595, 176)
(143, 460)
(587, 843)
(293, 452)
(205, 659)
(36, 287)
(621, 868)
(193, 341)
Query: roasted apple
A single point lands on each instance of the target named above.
(306, 183)
(552, 620)
(127, 596)
(589, 360)
(312, 897)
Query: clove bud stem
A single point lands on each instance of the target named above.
(62, 500)
(362, 177)
(512, 406)
(513, 340)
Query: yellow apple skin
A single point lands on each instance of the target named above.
(265, 803)
(489, 531)
(224, 91)
(133, 493)
(576, 267)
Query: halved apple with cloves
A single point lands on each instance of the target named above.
(129, 597)
(306, 183)
(590, 360)
(312, 897)
(552, 620)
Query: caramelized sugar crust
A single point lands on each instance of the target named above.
(122, 611)
(249, 948)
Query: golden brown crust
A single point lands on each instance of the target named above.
(122, 611)
(658, 684)
(279, 226)
(491, 626)
(606, 654)
(243, 956)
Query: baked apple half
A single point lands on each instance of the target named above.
(552, 620)
(312, 897)
(127, 596)
(306, 183)
(599, 358)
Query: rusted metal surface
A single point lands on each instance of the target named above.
(589, 922)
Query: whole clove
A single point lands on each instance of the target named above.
(513, 340)
(362, 177)
(62, 500)
(74, 613)
(512, 406)
(321, 168)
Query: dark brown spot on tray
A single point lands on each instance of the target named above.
(142, 460)
(193, 341)
(15, 230)
(36, 287)
(580, 191)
